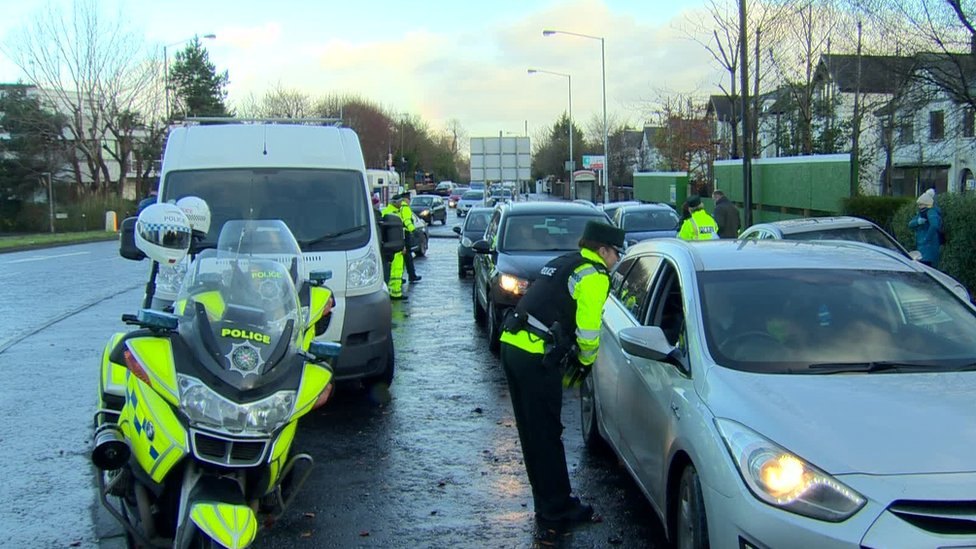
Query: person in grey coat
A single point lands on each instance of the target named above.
(726, 215)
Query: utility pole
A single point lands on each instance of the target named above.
(744, 85)
(50, 199)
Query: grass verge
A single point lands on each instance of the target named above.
(18, 242)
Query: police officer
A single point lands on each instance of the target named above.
(407, 215)
(394, 274)
(698, 225)
(551, 342)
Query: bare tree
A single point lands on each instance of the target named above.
(93, 68)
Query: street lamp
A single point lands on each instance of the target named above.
(606, 131)
(210, 36)
(572, 162)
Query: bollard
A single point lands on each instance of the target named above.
(111, 222)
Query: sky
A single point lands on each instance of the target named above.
(458, 60)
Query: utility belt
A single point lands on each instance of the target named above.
(559, 348)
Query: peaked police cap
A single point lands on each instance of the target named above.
(602, 233)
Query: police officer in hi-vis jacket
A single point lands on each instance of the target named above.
(550, 342)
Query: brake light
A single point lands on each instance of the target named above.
(137, 370)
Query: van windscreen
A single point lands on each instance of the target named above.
(325, 209)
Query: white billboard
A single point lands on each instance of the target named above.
(501, 159)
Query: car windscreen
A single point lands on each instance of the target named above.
(476, 223)
(815, 321)
(473, 195)
(422, 202)
(325, 209)
(868, 235)
(650, 220)
(542, 232)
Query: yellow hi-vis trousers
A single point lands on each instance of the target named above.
(396, 275)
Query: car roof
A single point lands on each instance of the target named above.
(727, 254)
(809, 224)
(620, 203)
(550, 207)
(428, 196)
(649, 206)
(479, 209)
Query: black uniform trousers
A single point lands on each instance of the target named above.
(537, 398)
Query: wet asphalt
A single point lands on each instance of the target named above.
(433, 462)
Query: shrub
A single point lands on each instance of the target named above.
(879, 209)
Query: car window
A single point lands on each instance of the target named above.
(438, 202)
(789, 320)
(543, 233)
(618, 275)
(634, 289)
(476, 222)
(868, 235)
(667, 307)
(491, 233)
(650, 220)
(473, 195)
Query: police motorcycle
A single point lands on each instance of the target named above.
(198, 407)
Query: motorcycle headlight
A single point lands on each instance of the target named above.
(513, 284)
(363, 272)
(784, 480)
(202, 406)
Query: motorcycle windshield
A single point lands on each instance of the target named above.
(239, 307)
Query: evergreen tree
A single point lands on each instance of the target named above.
(35, 146)
(197, 87)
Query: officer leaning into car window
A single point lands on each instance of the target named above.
(407, 215)
(698, 225)
(394, 274)
(551, 342)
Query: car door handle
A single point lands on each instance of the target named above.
(674, 410)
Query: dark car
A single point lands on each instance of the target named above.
(611, 207)
(430, 208)
(644, 221)
(421, 237)
(520, 239)
(500, 196)
(444, 188)
(469, 232)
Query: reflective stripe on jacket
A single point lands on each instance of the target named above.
(700, 226)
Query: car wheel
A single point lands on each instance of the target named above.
(479, 313)
(588, 418)
(690, 524)
(422, 248)
(494, 329)
(461, 271)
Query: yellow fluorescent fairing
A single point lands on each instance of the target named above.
(155, 354)
(233, 526)
(113, 375)
(319, 299)
(156, 436)
(212, 301)
(279, 454)
(314, 380)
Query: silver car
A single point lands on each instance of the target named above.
(844, 227)
(470, 199)
(789, 394)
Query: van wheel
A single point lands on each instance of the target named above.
(386, 376)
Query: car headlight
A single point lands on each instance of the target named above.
(466, 242)
(202, 406)
(425, 213)
(784, 480)
(363, 272)
(513, 284)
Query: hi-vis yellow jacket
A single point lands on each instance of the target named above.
(700, 226)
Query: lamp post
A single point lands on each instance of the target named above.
(50, 199)
(572, 161)
(210, 36)
(606, 131)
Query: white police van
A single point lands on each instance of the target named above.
(314, 179)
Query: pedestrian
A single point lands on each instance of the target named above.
(407, 215)
(550, 342)
(927, 223)
(698, 225)
(393, 270)
(726, 215)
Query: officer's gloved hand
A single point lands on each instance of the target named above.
(575, 373)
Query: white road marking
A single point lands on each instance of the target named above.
(43, 257)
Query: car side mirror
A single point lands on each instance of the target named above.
(646, 342)
(127, 240)
(457, 229)
(481, 247)
(915, 255)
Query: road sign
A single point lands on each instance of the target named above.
(593, 162)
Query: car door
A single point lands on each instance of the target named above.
(485, 263)
(626, 309)
(651, 390)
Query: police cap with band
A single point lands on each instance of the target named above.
(601, 233)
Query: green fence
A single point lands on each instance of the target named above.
(667, 187)
(789, 187)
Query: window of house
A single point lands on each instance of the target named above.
(969, 122)
(906, 131)
(936, 125)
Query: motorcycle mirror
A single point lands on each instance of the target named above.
(318, 277)
(324, 349)
(127, 240)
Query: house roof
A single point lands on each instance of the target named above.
(878, 73)
(633, 138)
(721, 107)
(955, 73)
